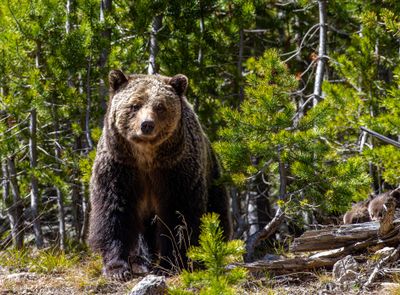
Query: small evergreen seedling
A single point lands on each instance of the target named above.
(215, 255)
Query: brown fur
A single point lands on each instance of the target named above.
(377, 207)
(140, 174)
(357, 214)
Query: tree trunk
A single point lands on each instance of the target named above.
(200, 53)
(60, 201)
(263, 234)
(252, 211)
(5, 182)
(76, 206)
(300, 63)
(89, 140)
(61, 218)
(6, 193)
(86, 211)
(241, 224)
(155, 27)
(35, 197)
(76, 194)
(69, 8)
(68, 27)
(282, 175)
(16, 208)
(105, 9)
(319, 76)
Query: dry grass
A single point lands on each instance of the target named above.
(52, 272)
(80, 273)
(392, 289)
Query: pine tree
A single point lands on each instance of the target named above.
(215, 255)
(261, 134)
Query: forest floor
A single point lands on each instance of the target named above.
(70, 274)
(70, 283)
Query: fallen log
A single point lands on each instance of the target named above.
(334, 237)
(340, 241)
(289, 265)
(367, 233)
(342, 236)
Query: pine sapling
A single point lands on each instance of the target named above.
(214, 255)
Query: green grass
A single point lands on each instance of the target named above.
(80, 270)
(42, 261)
(53, 261)
(15, 259)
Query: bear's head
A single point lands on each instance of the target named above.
(145, 108)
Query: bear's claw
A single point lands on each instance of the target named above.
(119, 272)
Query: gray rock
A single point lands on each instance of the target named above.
(346, 270)
(21, 275)
(272, 257)
(150, 285)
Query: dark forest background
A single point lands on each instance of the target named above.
(281, 87)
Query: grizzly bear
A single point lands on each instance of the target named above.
(358, 213)
(154, 167)
(377, 206)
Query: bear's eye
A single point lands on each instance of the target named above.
(160, 108)
(136, 107)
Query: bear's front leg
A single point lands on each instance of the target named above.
(117, 241)
(116, 265)
(180, 221)
(114, 228)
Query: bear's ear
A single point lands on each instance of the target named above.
(179, 83)
(116, 79)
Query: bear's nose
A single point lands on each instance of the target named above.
(147, 127)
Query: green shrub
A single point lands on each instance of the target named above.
(215, 255)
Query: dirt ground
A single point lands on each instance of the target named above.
(76, 281)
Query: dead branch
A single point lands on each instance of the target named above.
(392, 257)
(381, 137)
(263, 234)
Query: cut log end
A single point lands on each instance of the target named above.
(386, 222)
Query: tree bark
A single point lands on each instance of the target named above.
(155, 28)
(86, 211)
(68, 10)
(289, 265)
(350, 236)
(381, 137)
(105, 9)
(35, 197)
(6, 194)
(76, 208)
(252, 211)
(16, 208)
(68, 27)
(89, 140)
(319, 76)
(60, 201)
(282, 175)
(200, 53)
(273, 225)
(241, 224)
(386, 223)
(263, 234)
